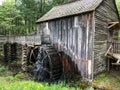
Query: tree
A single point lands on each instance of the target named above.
(19, 16)
(8, 15)
(118, 5)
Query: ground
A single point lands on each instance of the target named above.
(12, 78)
(108, 80)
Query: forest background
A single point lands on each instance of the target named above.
(18, 17)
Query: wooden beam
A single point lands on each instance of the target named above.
(114, 25)
(108, 50)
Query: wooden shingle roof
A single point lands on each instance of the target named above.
(69, 9)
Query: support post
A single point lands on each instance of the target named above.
(24, 57)
(7, 52)
(108, 65)
(13, 51)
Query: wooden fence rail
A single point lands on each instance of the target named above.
(115, 46)
(29, 39)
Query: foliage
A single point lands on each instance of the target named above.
(19, 16)
(19, 75)
(3, 68)
(118, 34)
(8, 15)
(118, 5)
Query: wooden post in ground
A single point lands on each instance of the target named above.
(13, 51)
(24, 57)
(7, 52)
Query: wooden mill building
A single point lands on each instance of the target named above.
(81, 30)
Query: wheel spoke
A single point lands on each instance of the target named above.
(44, 58)
(46, 65)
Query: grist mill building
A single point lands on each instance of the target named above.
(80, 31)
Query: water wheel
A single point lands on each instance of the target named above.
(7, 52)
(48, 66)
(29, 57)
(32, 55)
(13, 51)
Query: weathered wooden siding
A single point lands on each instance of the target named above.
(74, 37)
(105, 13)
(115, 34)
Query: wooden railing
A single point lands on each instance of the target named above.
(29, 39)
(115, 46)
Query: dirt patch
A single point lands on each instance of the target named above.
(107, 81)
(6, 73)
(13, 70)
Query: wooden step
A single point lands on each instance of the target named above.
(115, 63)
(114, 55)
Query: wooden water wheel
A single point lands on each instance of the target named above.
(13, 51)
(48, 66)
(29, 57)
(7, 52)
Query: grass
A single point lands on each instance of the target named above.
(107, 81)
(3, 68)
(18, 82)
(8, 81)
(12, 83)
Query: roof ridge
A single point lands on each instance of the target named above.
(67, 3)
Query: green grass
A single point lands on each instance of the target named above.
(16, 83)
(10, 80)
(19, 81)
(107, 81)
(10, 83)
(3, 68)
